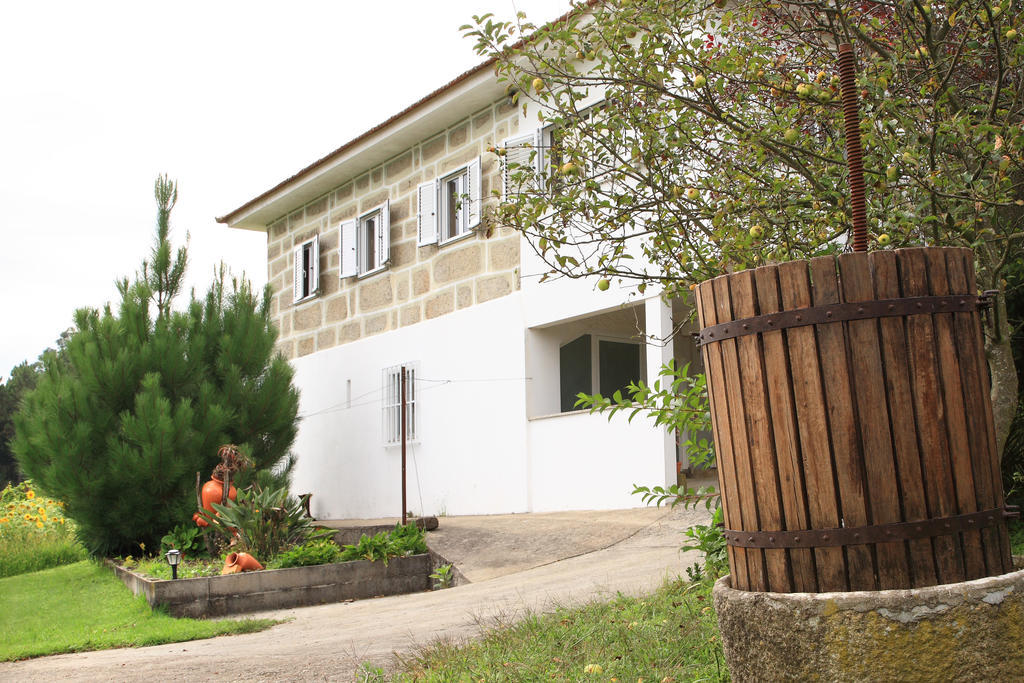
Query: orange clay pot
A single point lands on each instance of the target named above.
(212, 492)
(240, 562)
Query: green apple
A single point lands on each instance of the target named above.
(892, 173)
(791, 135)
(692, 193)
(603, 284)
(567, 168)
(884, 240)
(803, 90)
(538, 85)
(1011, 34)
(757, 232)
(699, 81)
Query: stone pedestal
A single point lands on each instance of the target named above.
(972, 630)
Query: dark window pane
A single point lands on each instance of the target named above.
(618, 365)
(574, 371)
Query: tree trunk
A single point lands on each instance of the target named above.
(1002, 370)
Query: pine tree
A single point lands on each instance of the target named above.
(143, 397)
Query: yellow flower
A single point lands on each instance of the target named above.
(42, 510)
(39, 524)
(4, 520)
(30, 494)
(61, 520)
(28, 517)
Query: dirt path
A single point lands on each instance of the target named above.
(330, 642)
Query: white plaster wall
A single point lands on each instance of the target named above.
(580, 461)
(471, 455)
(562, 299)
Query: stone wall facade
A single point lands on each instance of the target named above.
(420, 283)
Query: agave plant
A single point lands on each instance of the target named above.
(266, 521)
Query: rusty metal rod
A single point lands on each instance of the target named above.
(405, 506)
(854, 151)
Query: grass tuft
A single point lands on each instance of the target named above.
(1016, 528)
(82, 606)
(670, 635)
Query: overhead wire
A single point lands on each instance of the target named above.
(355, 403)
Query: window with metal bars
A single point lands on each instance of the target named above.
(392, 410)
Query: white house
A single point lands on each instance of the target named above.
(377, 262)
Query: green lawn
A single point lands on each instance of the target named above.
(669, 635)
(82, 606)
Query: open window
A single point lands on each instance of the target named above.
(521, 163)
(588, 361)
(306, 270)
(550, 156)
(364, 242)
(449, 207)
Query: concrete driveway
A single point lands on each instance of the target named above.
(515, 563)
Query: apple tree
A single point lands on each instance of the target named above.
(716, 142)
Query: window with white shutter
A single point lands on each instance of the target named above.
(426, 213)
(384, 233)
(297, 275)
(347, 248)
(373, 240)
(306, 270)
(449, 207)
(520, 163)
(474, 193)
(314, 266)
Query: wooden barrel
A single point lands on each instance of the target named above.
(852, 419)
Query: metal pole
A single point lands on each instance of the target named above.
(854, 151)
(404, 506)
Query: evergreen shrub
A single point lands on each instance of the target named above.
(142, 396)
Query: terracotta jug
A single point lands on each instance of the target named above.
(240, 562)
(212, 492)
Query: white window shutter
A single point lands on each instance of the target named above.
(384, 233)
(542, 161)
(519, 151)
(426, 214)
(314, 266)
(297, 274)
(473, 190)
(347, 247)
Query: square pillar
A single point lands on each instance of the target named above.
(658, 316)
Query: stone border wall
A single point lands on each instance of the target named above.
(969, 631)
(272, 589)
(421, 282)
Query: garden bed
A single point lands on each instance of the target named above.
(271, 589)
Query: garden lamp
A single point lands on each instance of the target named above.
(173, 559)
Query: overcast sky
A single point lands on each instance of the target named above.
(228, 98)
